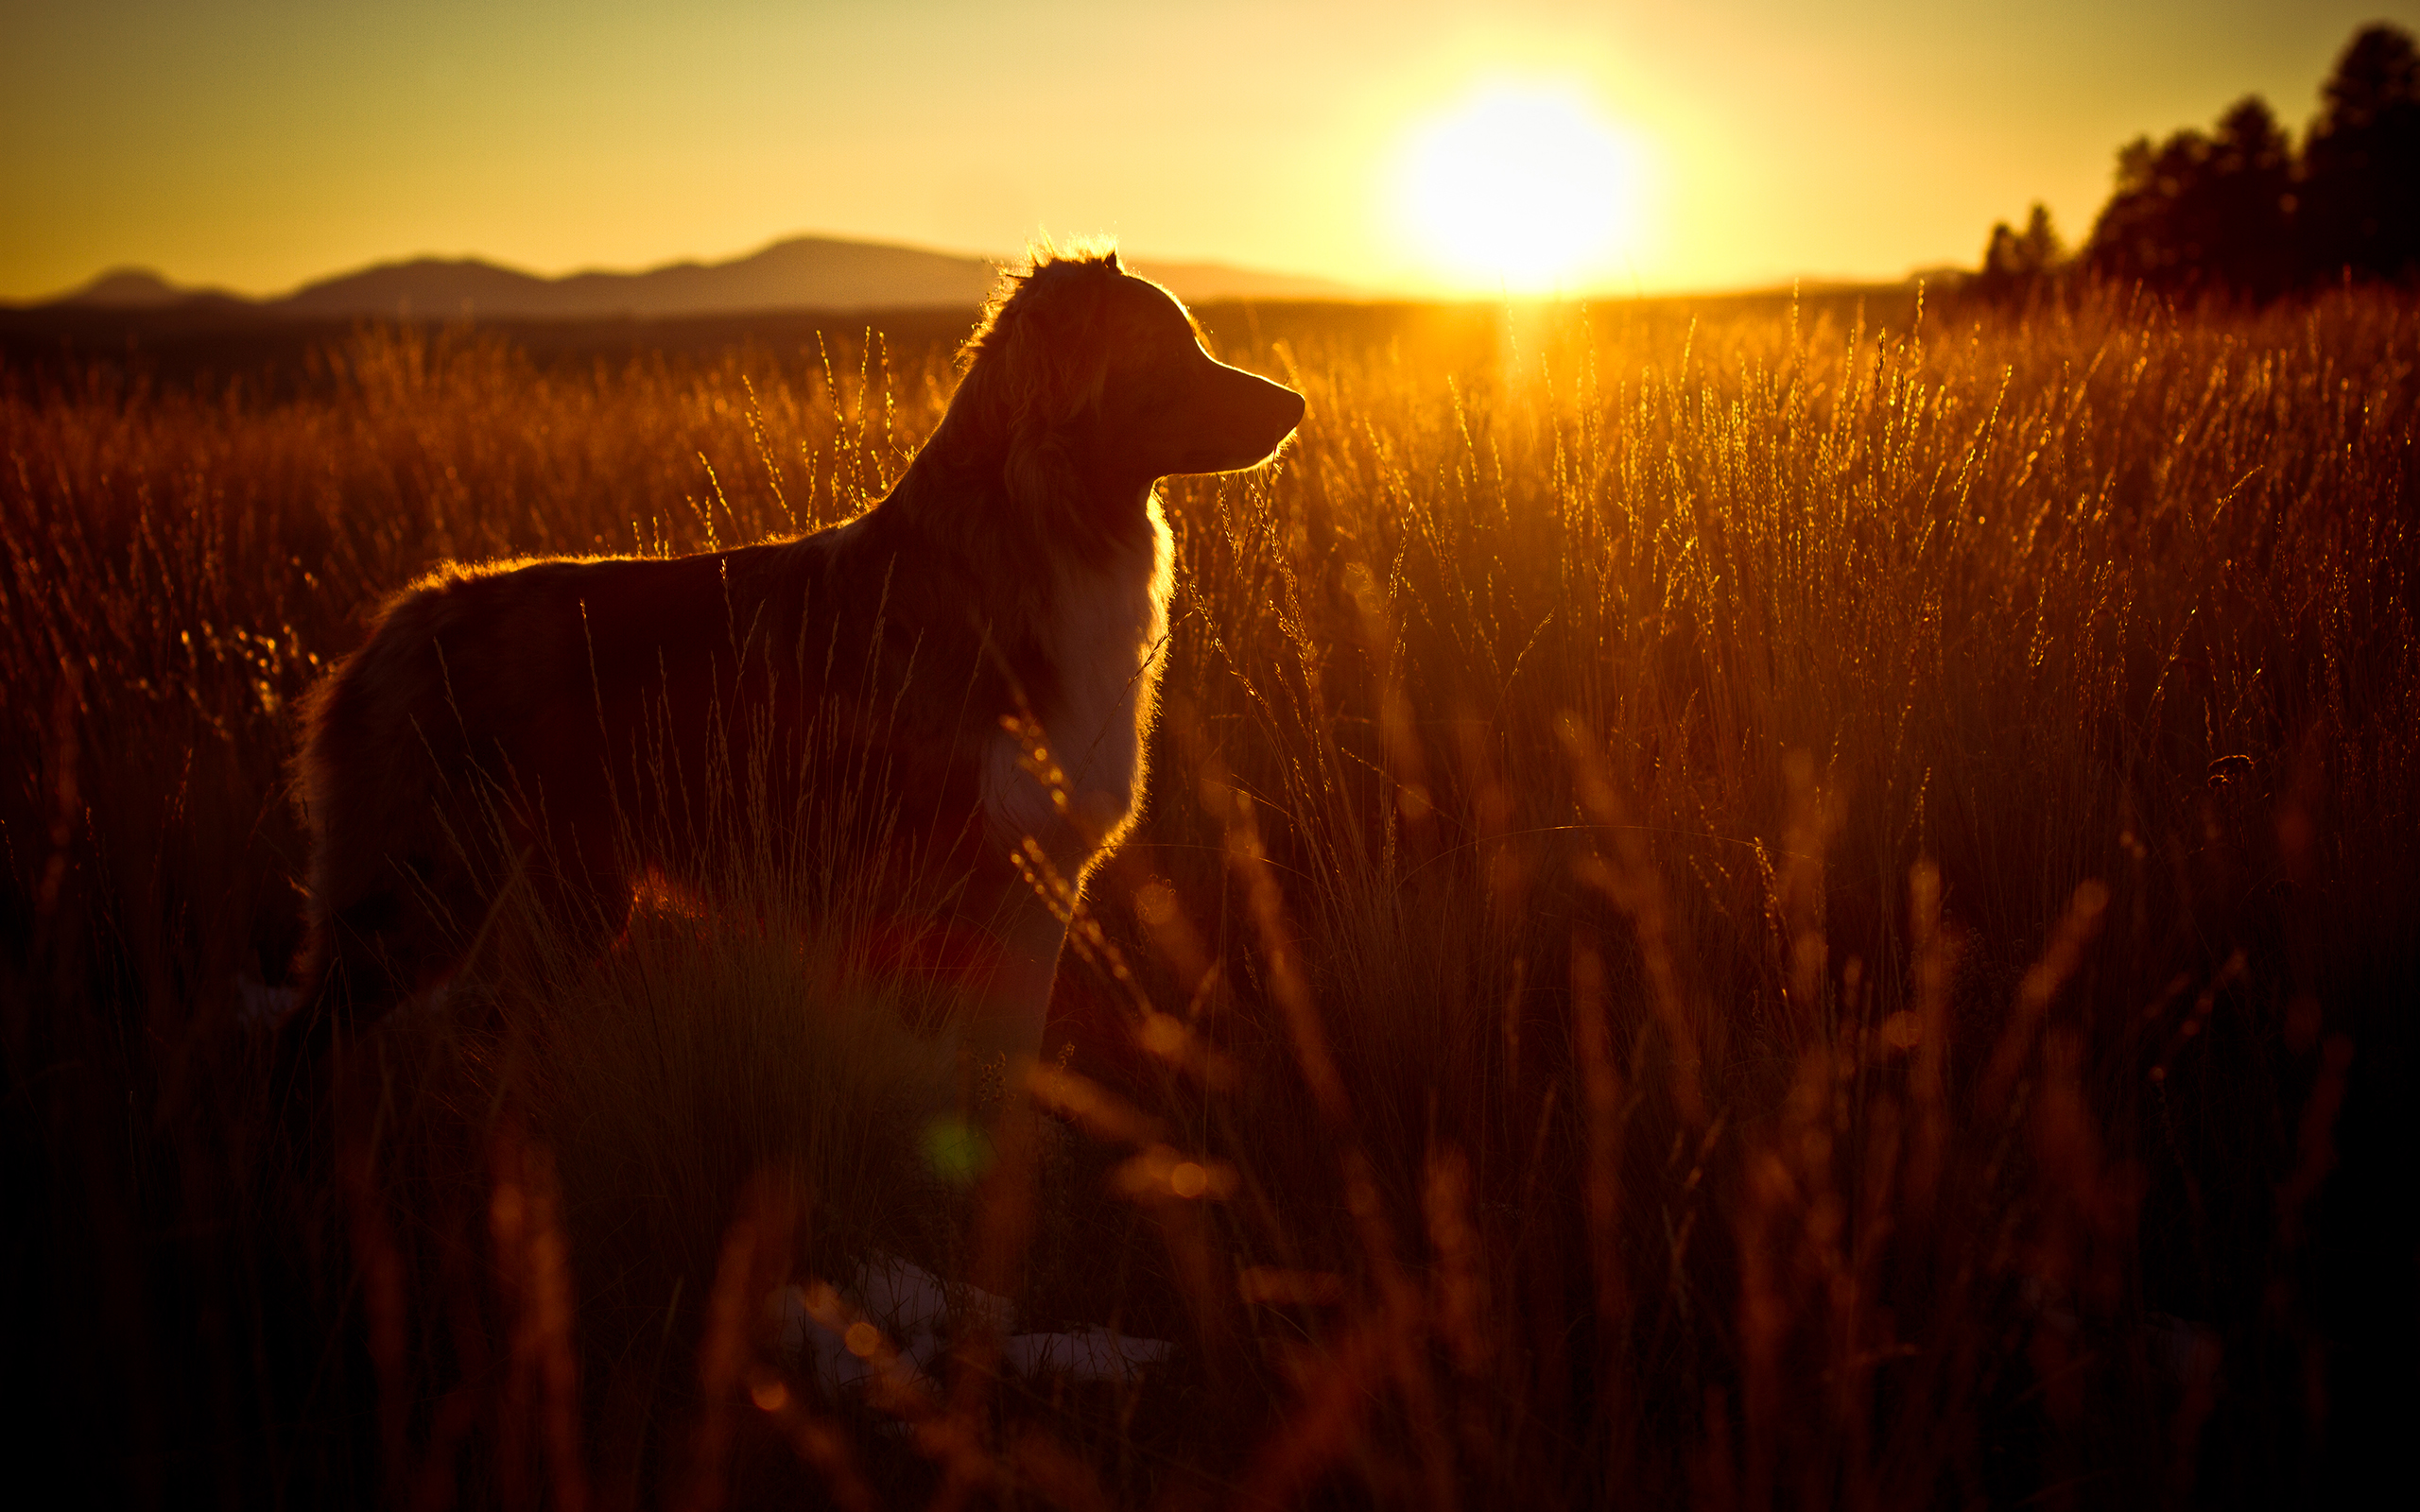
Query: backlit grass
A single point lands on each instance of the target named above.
(1772, 904)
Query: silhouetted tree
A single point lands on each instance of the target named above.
(2020, 265)
(2234, 212)
(2203, 214)
(2360, 191)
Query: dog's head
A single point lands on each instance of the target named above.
(1100, 384)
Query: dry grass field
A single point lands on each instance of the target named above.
(1766, 903)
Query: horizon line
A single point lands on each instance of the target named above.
(1348, 292)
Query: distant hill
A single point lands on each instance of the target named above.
(139, 288)
(806, 272)
(128, 289)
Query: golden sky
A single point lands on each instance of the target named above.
(258, 144)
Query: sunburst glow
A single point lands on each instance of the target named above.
(1525, 187)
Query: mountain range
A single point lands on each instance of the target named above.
(803, 272)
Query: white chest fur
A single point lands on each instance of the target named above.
(1109, 644)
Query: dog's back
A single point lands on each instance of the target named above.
(568, 723)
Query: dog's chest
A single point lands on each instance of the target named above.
(1107, 646)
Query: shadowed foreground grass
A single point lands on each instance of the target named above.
(1735, 912)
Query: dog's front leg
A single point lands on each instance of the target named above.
(1004, 1024)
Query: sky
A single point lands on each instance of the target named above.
(254, 145)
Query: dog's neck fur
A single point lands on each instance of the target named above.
(971, 477)
(1074, 588)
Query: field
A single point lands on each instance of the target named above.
(1767, 903)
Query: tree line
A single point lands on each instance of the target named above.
(2237, 211)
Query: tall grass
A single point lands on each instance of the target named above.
(1738, 907)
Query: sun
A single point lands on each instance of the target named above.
(1522, 187)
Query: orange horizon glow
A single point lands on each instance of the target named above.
(1740, 144)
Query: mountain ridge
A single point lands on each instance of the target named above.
(794, 273)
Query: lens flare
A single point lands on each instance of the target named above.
(1525, 187)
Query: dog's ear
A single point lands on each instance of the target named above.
(1052, 359)
(1038, 361)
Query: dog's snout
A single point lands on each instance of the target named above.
(1280, 408)
(1241, 420)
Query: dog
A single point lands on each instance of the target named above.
(979, 651)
